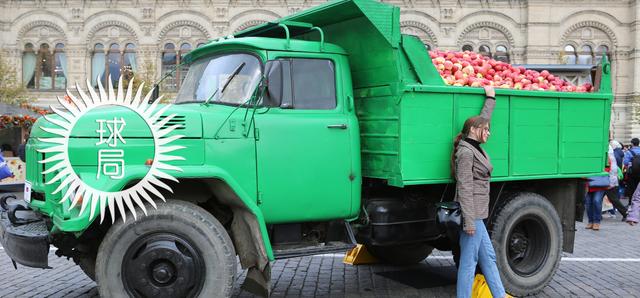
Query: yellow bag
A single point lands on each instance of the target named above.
(480, 287)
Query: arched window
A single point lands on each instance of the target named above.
(586, 55)
(98, 64)
(600, 51)
(29, 61)
(467, 47)
(60, 70)
(184, 49)
(44, 69)
(428, 46)
(169, 61)
(200, 44)
(502, 54)
(569, 55)
(129, 65)
(485, 51)
(171, 58)
(113, 63)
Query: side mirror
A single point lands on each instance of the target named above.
(273, 72)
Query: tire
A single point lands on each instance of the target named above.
(527, 236)
(177, 250)
(404, 254)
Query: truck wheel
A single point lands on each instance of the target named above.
(527, 236)
(404, 254)
(177, 250)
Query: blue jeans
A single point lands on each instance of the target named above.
(477, 249)
(593, 204)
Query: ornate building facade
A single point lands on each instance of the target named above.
(54, 43)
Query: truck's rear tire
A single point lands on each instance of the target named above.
(177, 250)
(527, 236)
(403, 254)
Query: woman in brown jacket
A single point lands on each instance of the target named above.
(472, 168)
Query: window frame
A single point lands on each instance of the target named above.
(51, 52)
(292, 85)
(179, 52)
(107, 50)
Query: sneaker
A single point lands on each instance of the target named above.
(596, 227)
(589, 226)
(609, 215)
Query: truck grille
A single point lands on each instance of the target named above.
(34, 169)
(176, 120)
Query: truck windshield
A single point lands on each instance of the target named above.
(207, 74)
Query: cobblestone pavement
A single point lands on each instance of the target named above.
(604, 264)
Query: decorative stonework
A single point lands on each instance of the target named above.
(249, 24)
(113, 28)
(184, 29)
(43, 25)
(420, 30)
(593, 27)
(491, 28)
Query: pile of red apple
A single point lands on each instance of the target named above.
(472, 69)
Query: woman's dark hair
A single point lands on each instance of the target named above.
(476, 121)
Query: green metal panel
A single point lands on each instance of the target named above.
(468, 105)
(426, 135)
(582, 130)
(302, 164)
(534, 136)
(420, 60)
(378, 116)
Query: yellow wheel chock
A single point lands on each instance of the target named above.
(358, 256)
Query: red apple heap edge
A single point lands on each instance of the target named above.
(475, 70)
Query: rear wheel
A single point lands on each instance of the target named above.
(403, 254)
(177, 250)
(527, 236)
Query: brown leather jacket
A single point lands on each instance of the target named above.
(473, 172)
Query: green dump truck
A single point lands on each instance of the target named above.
(333, 128)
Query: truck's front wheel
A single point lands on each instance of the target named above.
(177, 250)
(527, 235)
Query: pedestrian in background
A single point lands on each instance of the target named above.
(472, 169)
(634, 209)
(632, 177)
(614, 183)
(618, 153)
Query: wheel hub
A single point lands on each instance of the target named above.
(162, 273)
(519, 243)
(528, 246)
(162, 265)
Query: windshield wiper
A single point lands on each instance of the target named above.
(224, 86)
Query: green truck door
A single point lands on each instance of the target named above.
(303, 147)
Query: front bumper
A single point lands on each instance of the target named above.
(26, 243)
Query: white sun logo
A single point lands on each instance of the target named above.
(78, 191)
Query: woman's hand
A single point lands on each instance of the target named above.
(489, 91)
(470, 232)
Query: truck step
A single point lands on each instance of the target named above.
(283, 252)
